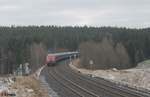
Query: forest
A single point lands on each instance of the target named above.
(21, 44)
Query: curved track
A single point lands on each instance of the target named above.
(68, 83)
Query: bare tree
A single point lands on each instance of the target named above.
(123, 57)
(104, 55)
(38, 55)
(3, 61)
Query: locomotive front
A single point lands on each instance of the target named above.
(50, 59)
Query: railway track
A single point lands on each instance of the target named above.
(77, 85)
(102, 83)
(80, 91)
(61, 89)
(63, 84)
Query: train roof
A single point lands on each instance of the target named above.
(63, 53)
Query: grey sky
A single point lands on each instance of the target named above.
(124, 13)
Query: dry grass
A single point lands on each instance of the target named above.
(30, 83)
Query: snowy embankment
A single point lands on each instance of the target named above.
(23, 86)
(139, 77)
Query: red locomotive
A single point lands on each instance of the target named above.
(50, 59)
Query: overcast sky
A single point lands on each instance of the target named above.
(122, 13)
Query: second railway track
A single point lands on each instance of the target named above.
(82, 86)
(122, 91)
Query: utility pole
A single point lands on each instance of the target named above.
(75, 57)
(70, 59)
(91, 62)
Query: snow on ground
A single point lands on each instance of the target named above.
(22, 87)
(139, 77)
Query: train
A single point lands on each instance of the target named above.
(53, 58)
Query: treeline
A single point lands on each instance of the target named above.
(17, 43)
